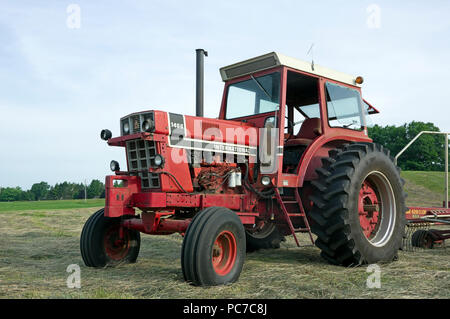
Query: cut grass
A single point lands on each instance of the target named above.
(33, 264)
(38, 245)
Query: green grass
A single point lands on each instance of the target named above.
(434, 181)
(50, 204)
(424, 188)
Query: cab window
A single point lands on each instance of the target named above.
(344, 107)
(254, 96)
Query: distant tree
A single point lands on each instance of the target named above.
(9, 194)
(118, 183)
(95, 189)
(40, 190)
(64, 190)
(26, 195)
(78, 191)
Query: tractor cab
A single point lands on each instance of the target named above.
(311, 108)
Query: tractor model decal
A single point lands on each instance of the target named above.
(178, 139)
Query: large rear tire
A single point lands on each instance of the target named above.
(358, 206)
(101, 244)
(213, 250)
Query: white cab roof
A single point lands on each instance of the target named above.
(274, 59)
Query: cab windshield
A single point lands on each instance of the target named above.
(254, 96)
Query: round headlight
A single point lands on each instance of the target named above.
(105, 134)
(114, 165)
(158, 160)
(148, 125)
(126, 128)
(265, 180)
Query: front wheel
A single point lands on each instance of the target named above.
(213, 250)
(104, 242)
(359, 206)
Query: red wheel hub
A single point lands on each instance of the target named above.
(369, 209)
(116, 242)
(224, 253)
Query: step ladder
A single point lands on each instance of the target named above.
(287, 201)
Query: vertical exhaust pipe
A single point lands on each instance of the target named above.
(199, 82)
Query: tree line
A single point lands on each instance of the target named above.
(44, 191)
(425, 154)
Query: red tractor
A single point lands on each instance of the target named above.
(288, 153)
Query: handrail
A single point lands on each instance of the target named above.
(446, 157)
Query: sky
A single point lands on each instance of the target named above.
(71, 68)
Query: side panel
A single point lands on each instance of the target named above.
(118, 199)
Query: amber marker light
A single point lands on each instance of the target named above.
(359, 80)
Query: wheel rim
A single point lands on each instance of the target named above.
(376, 208)
(224, 253)
(116, 248)
(261, 229)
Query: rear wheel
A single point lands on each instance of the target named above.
(264, 235)
(358, 206)
(213, 250)
(104, 242)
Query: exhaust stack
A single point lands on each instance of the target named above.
(199, 82)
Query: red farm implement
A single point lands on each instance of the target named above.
(288, 154)
(419, 233)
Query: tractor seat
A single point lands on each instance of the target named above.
(310, 129)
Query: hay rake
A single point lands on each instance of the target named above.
(418, 231)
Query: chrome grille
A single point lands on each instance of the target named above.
(140, 156)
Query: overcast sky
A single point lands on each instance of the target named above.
(60, 84)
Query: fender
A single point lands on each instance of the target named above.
(310, 159)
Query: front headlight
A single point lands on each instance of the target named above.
(105, 134)
(148, 125)
(265, 180)
(114, 165)
(158, 161)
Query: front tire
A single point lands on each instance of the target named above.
(358, 206)
(213, 250)
(101, 244)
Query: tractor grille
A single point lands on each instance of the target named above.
(140, 156)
